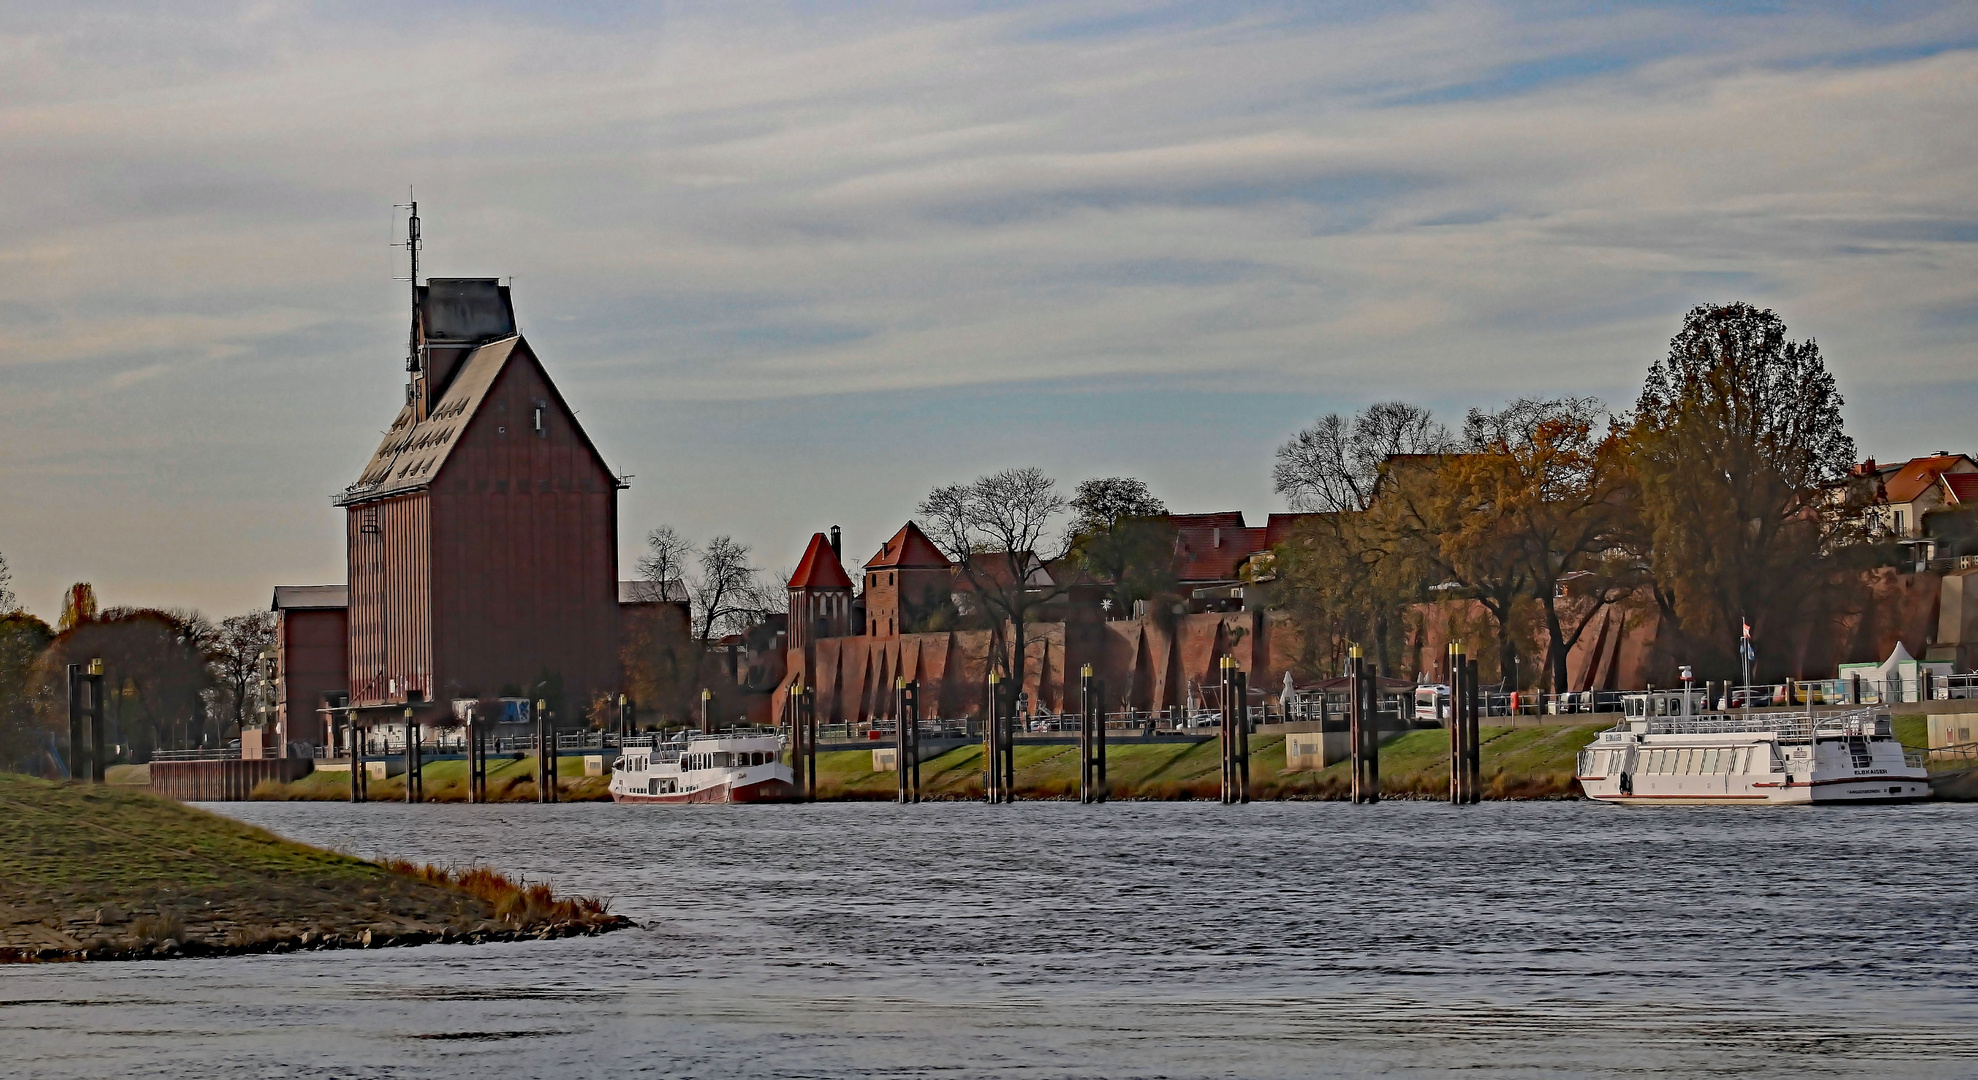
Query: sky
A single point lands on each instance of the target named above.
(797, 264)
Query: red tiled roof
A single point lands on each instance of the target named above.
(1963, 487)
(1213, 554)
(1222, 519)
(819, 568)
(909, 549)
(1918, 475)
(1280, 526)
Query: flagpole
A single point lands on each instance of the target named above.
(1744, 654)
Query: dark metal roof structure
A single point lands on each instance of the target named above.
(652, 592)
(311, 597)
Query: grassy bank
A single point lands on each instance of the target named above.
(510, 779)
(107, 873)
(1518, 763)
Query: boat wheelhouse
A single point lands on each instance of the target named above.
(1664, 751)
(733, 767)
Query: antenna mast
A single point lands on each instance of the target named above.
(412, 245)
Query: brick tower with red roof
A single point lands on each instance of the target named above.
(907, 577)
(820, 595)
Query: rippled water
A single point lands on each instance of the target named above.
(1130, 940)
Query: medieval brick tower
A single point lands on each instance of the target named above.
(482, 536)
(904, 581)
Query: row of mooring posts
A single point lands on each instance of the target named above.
(906, 739)
(1091, 737)
(87, 754)
(479, 747)
(1363, 728)
(1235, 734)
(1465, 742)
(999, 742)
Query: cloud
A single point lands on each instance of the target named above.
(728, 204)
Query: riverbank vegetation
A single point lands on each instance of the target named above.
(1518, 763)
(511, 778)
(89, 872)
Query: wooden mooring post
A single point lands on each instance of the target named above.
(1091, 737)
(415, 780)
(1363, 729)
(1459, 727)
(992, 749)
(477, 758)
(1465, 738)
(906, 738)
(545, 753)
(360, 774)
(707, 711)
(1235, 733)
(803, 741)
(87, 757)
(1472, 733)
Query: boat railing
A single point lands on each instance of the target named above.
(1855, 723)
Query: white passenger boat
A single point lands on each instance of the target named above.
(730, 768)
(1665, 752)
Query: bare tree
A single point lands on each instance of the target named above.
(664, 563)
(235, 650)
(1352, 571)
(993, 529)
(9, 603)
(1335, 465)
(727, 591)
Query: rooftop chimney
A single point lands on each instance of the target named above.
(837, 552)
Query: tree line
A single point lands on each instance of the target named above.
(1725, 496)
(173, 678)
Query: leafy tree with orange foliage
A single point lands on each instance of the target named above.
(1542, 495)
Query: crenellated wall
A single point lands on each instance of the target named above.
(1148, 663)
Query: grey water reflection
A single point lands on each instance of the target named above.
(1131, 940)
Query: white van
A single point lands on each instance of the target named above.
(1432, 702)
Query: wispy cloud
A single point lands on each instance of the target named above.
(738, 202)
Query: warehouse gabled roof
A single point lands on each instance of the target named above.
(413, 450)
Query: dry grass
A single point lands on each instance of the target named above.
(513, 902)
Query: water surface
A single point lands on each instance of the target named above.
(1130, 940)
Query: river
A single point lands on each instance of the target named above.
(1128, 940)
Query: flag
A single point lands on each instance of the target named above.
(1744, 644)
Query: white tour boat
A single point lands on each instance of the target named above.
(730, 768)
(1664, 751)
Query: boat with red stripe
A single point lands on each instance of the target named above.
(730, 767)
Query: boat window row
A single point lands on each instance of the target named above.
(727, 759)
(1706, 761)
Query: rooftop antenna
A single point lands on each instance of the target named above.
(412, 245)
